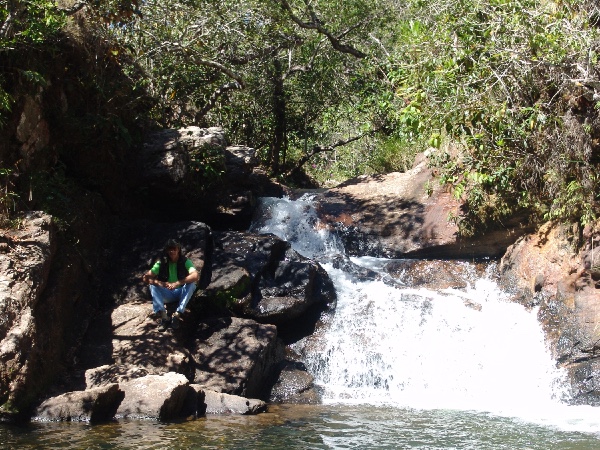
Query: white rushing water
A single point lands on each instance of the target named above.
(455, 349)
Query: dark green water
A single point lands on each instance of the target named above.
(307, 427)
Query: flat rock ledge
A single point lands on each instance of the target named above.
(405, 215)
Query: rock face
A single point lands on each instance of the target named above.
(557, 269)
(295, 385)
(160, 397)
(229, 355)
(177, 164)
(261, 277)
(236, 356)
(24, 268)
(218, 403)
(395, 216)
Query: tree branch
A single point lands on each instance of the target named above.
(73, 8)
(212, 101)
(328, 148)
(316, 24)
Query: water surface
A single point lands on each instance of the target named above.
(308, 427)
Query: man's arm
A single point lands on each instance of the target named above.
(192, 277)
(150, 278)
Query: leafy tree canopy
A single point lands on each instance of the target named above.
(504, 93)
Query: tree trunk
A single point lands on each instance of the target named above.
(279, 114)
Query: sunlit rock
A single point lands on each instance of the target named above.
(212, 402)
(161, 397)
(399, 215)
(554, 269)
(93, 405)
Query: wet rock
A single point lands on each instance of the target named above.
(266, 280)
(551, 269)
(93, 405)
(159, 397)
(435, 274)
(213, 402)
(361, 273)
(294, 385)
(236, 356)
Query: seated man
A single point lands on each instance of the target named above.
(172, 278)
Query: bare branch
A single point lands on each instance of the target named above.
(328, 148)
(212, 101)
(316, 24)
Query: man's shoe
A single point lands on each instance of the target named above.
(176, 320)
(163, 322)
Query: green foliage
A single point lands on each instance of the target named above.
(32, 22)
(5, 104)
(209, 162)
(8, 198)
(505, 91)
(56, 194)
(490, 83)
(22, 24)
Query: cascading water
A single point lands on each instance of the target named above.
(394, 345)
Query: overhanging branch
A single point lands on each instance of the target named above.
(327, 148)
(316, 24)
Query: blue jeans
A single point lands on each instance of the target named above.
(162, 295)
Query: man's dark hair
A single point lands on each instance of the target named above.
(172, 243)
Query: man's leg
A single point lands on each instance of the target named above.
(160, 296)
(185, 294)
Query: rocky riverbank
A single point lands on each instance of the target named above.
(77, 343)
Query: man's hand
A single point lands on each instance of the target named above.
(150, 278)
(173, 285)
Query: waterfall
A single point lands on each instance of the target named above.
(396, 345)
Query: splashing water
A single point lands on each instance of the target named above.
(296, 222)
(454, 349)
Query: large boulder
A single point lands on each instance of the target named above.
(178, 165)
(557, 269)
(159, 397)
(123, 341)
(93, 405)
(212, 402)
(167, 156)
(405, 215)
(295, 385)
(237, 356)
(126, 343)
(261, 277)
